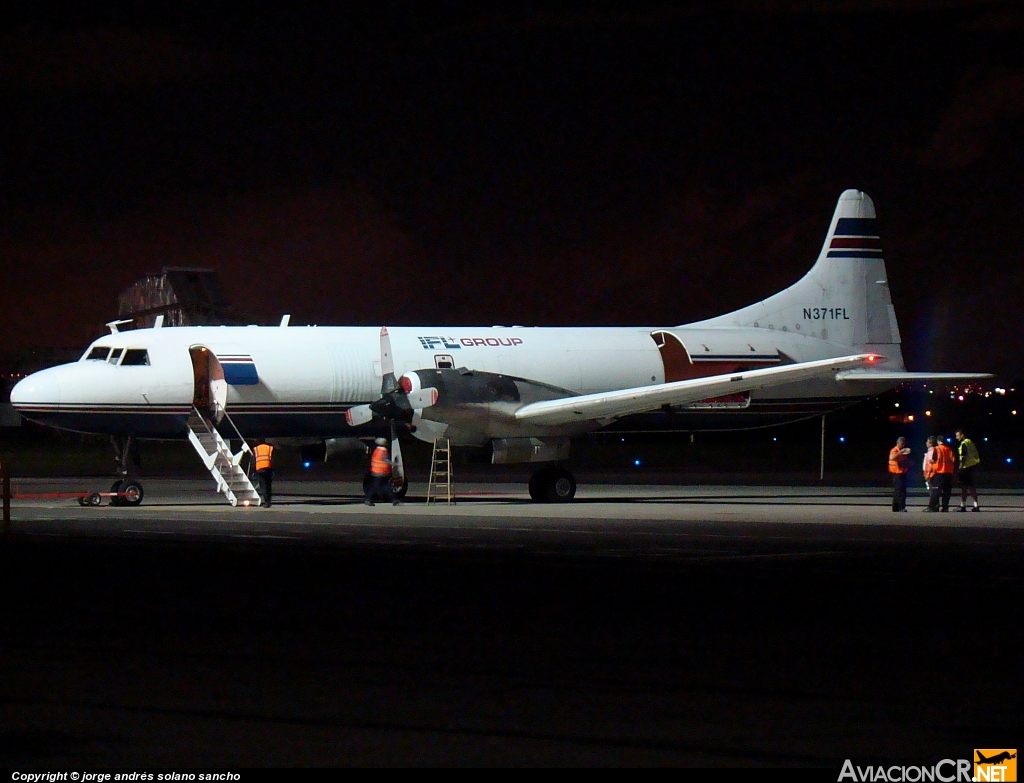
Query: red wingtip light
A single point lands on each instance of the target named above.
(872, 358)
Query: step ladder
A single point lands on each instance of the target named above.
(224, 466)
(440, 485)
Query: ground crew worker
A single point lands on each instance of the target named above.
(941, 475)
(899, 467)
(968, 458)
(380, 475)
(926, 466)
(264, 456)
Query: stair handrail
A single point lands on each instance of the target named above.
(245, 443)
(209, 429)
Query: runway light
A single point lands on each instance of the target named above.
(636, 462)
(1008, 460)
(897, 405)
(774, 439)
(910, 417)
(985, 439)
(927, 413)
(307, 464)
(961, 398)
(842, 439)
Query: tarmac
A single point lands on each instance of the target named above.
(640, 625)
(503, 515)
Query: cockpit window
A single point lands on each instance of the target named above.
(115, 355)
(99, 353)
(135, 356)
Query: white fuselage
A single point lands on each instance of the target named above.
(299, 381)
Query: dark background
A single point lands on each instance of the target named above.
(605, 163)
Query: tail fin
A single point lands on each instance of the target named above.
(844, 299)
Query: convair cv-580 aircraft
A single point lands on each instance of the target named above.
(825, 341)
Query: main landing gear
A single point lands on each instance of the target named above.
(128, 491)
(552, 485)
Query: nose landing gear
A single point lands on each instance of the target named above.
(126, 491)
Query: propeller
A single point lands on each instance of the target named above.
(398, 402)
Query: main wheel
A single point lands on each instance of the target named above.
(552, 485)
(132, 493)
(561, 486)
(94, 499)
(116, 500)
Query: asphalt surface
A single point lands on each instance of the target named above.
(713, 626)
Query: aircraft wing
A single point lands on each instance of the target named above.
(622, 402)
(901, 377)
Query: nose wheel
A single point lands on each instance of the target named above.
(552, 485)
(126, 492)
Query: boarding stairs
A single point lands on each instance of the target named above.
(440, 485)
(224, 466)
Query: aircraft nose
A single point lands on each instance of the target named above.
(40, 388)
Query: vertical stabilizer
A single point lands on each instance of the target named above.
(844, 299)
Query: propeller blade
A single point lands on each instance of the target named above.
(358, 414)
(387, 362)
(398, 469)
(426, 430)
(424, 398)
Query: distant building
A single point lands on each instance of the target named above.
(184, 296)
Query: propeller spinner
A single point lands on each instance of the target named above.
(397, 400)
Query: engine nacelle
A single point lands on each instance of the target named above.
(478, 406)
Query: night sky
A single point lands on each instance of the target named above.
(609, 164)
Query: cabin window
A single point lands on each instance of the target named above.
(99, 353)
(115, 355)
(135, 356)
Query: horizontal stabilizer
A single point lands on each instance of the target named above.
(907, 377)
(623, 402)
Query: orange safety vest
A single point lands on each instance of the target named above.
(380, 465)
(264, 456)
(897, 461)
(942, 459)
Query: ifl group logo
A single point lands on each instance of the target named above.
(995, 764)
